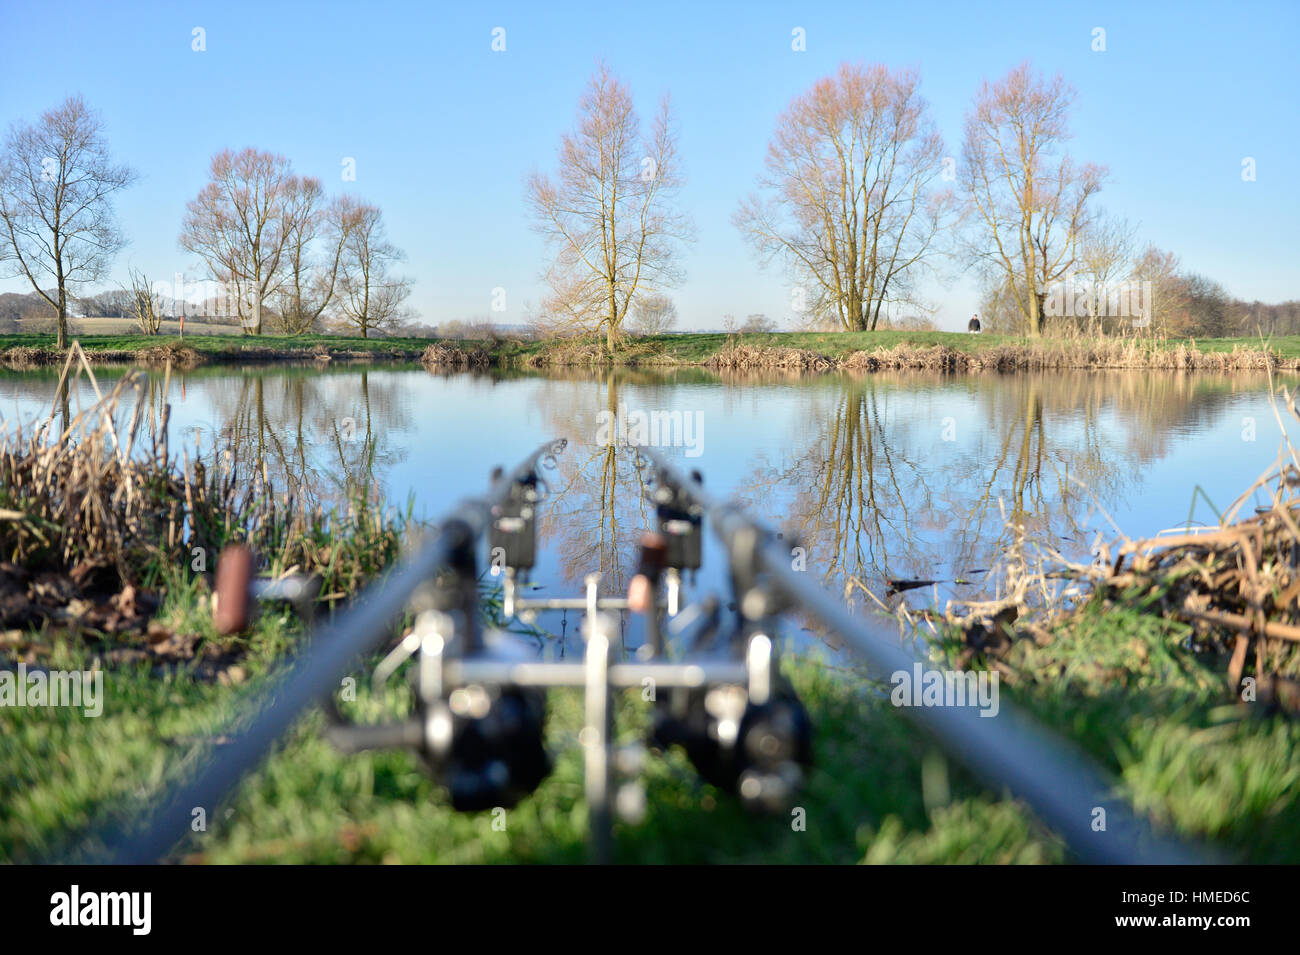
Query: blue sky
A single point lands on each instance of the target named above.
(444, 130)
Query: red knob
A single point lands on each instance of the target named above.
(234, 578)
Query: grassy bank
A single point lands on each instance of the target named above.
(789, 351)
(1117, 681)
(20, 350)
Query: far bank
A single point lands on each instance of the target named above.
(808, 352)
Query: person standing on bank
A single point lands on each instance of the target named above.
(974, 325)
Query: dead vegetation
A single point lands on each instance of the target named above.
(98, 517)
(178, 355)
(184, 356)
(28, 356)
(74, 492)
(1080, 355)
(741, 357)
(443, 355)
(736, 356)
(570, 353)
(1235, 587)
(1046, 356)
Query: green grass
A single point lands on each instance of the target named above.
(309, 804)
(1124, 685)
(1120, 683)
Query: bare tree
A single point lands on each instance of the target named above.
(311, 273)
(1168, 300)
(242, 223)
(147, 307)
(653, 315)
(1105, 258)
(371, 296)
(1204, 307)
(1029, 204)
(57, 226)
(608, 213)
(113, 303)
(847, 200)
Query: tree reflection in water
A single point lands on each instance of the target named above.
(891, 476)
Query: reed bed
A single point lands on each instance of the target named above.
(1234, 589)
(96, 511)
(1103, 354)
(741, 357)
(442, 355)
(27, 356)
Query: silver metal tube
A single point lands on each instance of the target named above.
(566, 603)
(622, 675)
(597, 741)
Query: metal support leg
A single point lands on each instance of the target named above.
(673, 587)
(597, 739)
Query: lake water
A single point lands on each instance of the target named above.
(880, 477)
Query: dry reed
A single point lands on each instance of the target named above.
(1236, 585)
(95, 499)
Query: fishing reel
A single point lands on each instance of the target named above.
(494, 754)
(484, 739)
(481, 735)
(753, 740)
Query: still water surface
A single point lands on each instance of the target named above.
(880, 477)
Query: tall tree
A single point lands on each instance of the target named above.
(57, 228)
(848, 200)
(241, 225)
(1207, 307)
(314, 256)
(608, 212)
(1026, 197)
(1167, 302)
(1105, 260)
(371, 296)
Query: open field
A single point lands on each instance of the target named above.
(122, 327)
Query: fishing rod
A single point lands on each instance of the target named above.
(1009, 750)
(713, 678)
(364, 627)
(480, 705)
